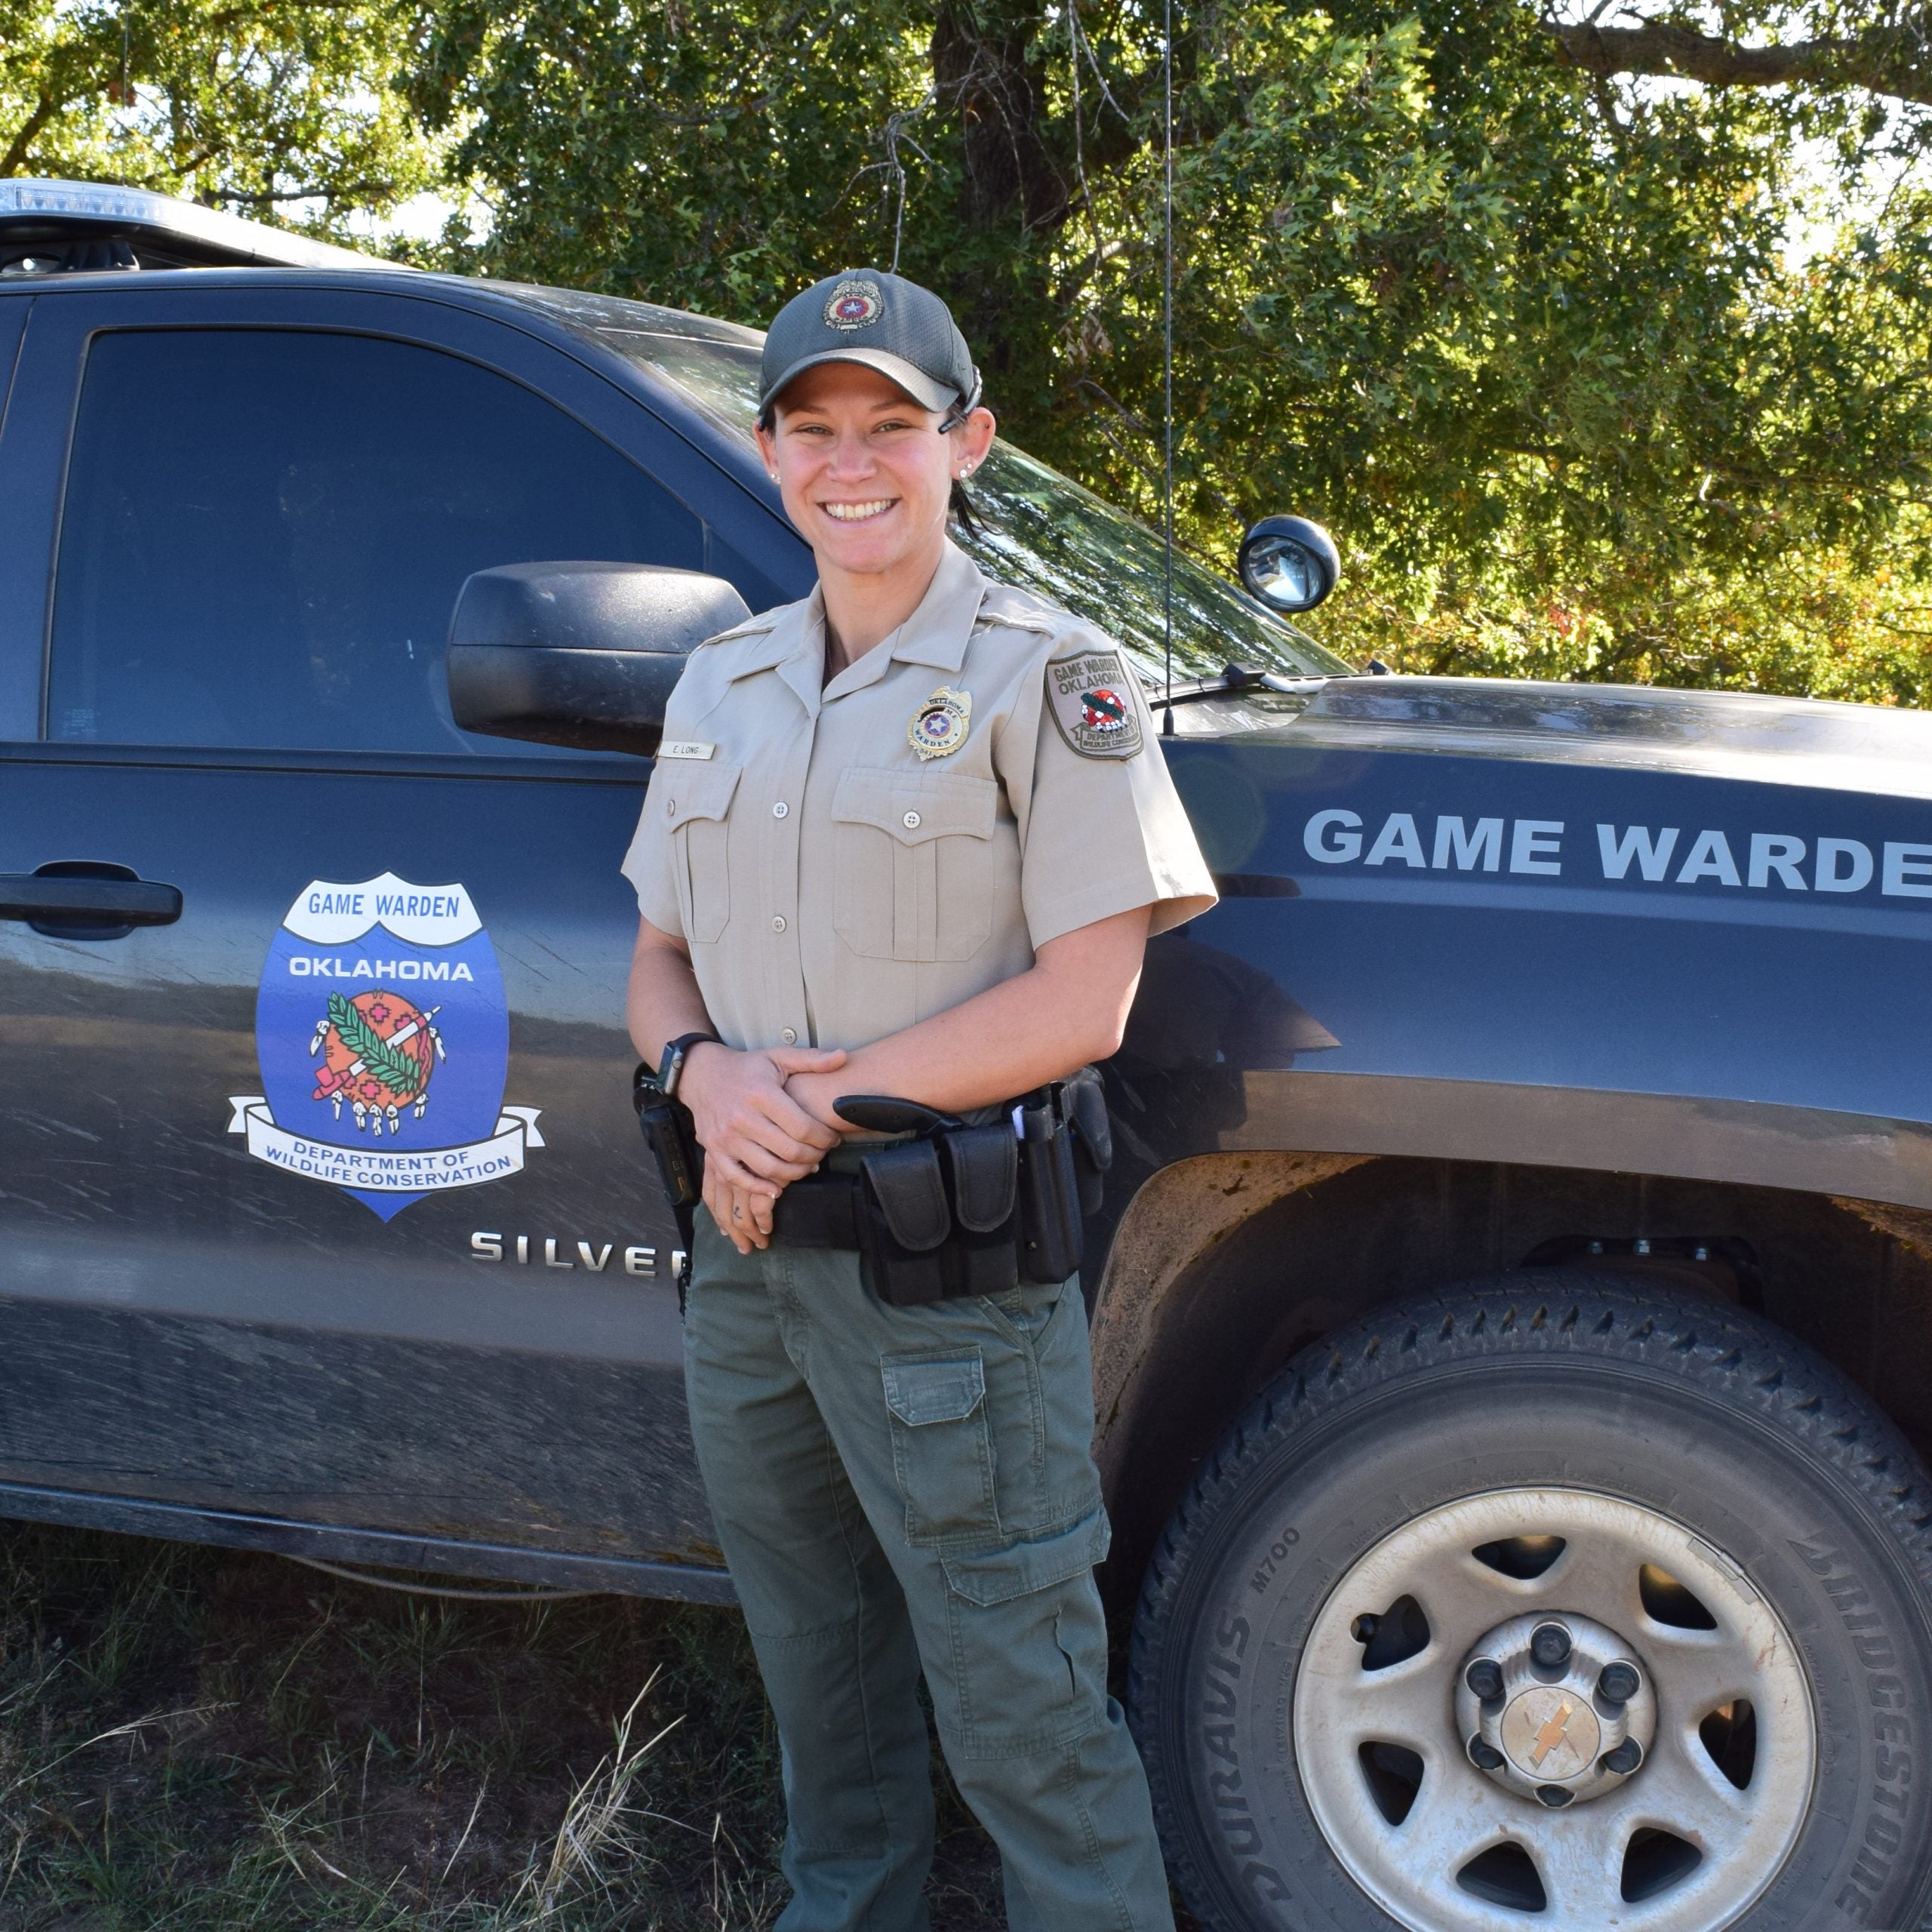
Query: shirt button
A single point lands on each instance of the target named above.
(912, 821)
(778, 923)
(781, 809)
(790, 1036)
(670, 808)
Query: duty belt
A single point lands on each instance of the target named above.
(950, 1209)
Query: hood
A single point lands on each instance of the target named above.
(1730, 734)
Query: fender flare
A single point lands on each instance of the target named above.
(1300, 1129)
(1751, 1143)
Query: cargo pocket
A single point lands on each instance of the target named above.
(1027, 1626)
(941, 1454)
(998, 1576)
(697, 802)
(913, 862)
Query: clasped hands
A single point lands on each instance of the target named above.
(764, 1119)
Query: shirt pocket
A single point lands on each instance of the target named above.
(697, 802)
(914, 862)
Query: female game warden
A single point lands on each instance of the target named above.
(907, 837)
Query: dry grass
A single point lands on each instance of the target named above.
(199, 1741)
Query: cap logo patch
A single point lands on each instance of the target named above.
(939, 725)
(1091, 699)
(853, 305)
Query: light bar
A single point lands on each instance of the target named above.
(135, 211)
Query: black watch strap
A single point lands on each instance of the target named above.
(670, 1071)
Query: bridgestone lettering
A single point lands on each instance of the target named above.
(1894, 1745)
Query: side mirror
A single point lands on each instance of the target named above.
(579, 654)
(1289, 563)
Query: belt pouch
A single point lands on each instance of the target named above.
(982, 1170)
(1093, 1135)
(1049, 1223)
(907, 1220)
(821, 1210)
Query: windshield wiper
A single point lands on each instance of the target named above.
(1237, 677)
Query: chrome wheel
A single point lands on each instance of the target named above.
(1552, 1708)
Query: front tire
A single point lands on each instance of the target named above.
(1376, 1674)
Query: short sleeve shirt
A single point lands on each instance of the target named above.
(846, 861)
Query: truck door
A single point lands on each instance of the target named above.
(324, 1218)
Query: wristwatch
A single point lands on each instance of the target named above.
(671, 1070)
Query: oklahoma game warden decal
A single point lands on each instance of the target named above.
(383, 1038)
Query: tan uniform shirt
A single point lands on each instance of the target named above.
(845, 861)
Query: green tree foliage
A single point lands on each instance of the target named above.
(1522, 321)
(280, 109)
(1539, 354)
(705, 152)
(1603, 343)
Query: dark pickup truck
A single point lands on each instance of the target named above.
(1512, 1300)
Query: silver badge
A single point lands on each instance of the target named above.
(939, 726)
(854, 305)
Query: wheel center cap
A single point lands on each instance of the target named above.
(1555, 1707)
(1550, 1734)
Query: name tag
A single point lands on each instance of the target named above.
(685, 748)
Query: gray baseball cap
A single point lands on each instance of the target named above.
(881, 322)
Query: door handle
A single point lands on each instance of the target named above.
(36, 896)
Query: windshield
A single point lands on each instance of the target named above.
(1037, 528)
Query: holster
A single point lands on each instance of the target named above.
(1049, 1219)
(668, 1133)
(1093, 1137)
(1067, 1147)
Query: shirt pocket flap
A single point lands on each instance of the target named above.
(919, 1393)
(915, 806)
(699, 791)
(998, 1576)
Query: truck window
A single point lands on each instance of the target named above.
(1037, 528)
(264, 530)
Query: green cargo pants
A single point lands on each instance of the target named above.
(898, 1489)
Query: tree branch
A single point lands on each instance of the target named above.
(1891, 60)
(1139, 425)
(43, 111)
(356, 192)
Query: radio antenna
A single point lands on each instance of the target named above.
(1167, 348)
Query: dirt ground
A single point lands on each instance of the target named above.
(205, 1742)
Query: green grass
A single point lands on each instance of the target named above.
(206, 1741)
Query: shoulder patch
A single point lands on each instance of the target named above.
(1091, 696)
